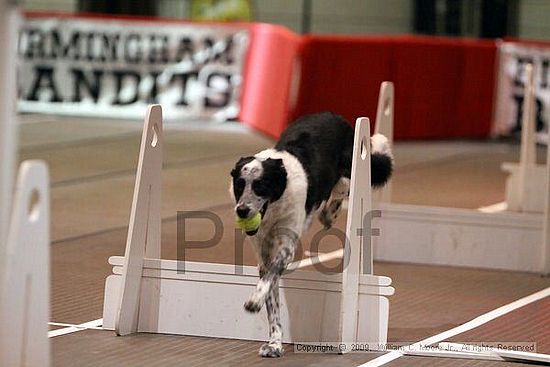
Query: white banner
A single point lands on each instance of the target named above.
(115, 68)
(509, 96)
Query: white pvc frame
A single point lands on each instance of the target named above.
(24, 279)
(526, 181)
(24, 225)
(425, 234)
(9, 25)
(148, 294)
(528, 185)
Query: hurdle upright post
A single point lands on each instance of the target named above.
(9, 27)
(384, 125)
(144, 230)
(25, 276)
(527, 158)
(356, 245)
(545, 256)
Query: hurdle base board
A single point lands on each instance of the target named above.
(535, 191)
(207, 300)
(459, 237)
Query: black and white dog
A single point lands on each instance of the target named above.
(307, 172)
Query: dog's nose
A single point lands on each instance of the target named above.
(242, 211)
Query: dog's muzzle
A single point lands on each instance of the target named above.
(262, 213)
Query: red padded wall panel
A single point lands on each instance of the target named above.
(342, 74)
(267, 79)
(475, 102)
(426, 75)
(443, 86)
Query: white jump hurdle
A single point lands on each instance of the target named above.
(545, 253)
(24, 277)
(384, 126)
(490, 237)
(149, 294)
(24, 225)
(525, 186)
(9, 25)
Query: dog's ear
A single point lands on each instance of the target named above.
(275, 175)
(239, 165)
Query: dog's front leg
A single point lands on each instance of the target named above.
(267, 291)
(274, 347)
(283, 256)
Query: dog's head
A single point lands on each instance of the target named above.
(256, 183)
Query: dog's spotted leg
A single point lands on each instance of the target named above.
(264, 251)
(273, 348)
(267, 291)
(330, 211)
(283, 257)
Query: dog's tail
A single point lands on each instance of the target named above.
(381, 160)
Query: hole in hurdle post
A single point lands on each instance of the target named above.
(363, 149)
(387, 107)
(155, 139)
(33, 208)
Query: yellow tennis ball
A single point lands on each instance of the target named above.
(250, 224)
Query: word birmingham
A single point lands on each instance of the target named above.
(118, 64)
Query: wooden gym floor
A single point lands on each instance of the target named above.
(92, 167)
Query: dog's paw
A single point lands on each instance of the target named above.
(330, 212)
(271, 350)
(380, 144)
(325, 218)
(253, 305)
(257, 299)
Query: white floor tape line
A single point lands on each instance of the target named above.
(496, 353)
(454, 354)
(495, 208)
(472, 324)
(74, 325)
(94, 324)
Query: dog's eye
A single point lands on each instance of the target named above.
(260, 188)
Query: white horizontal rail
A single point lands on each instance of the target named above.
(234, 279)
(320, 258)
(247, 271)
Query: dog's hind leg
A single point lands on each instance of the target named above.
(330, 211)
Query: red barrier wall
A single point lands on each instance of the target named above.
(267, 79)
(342, 75)
(443, 86)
